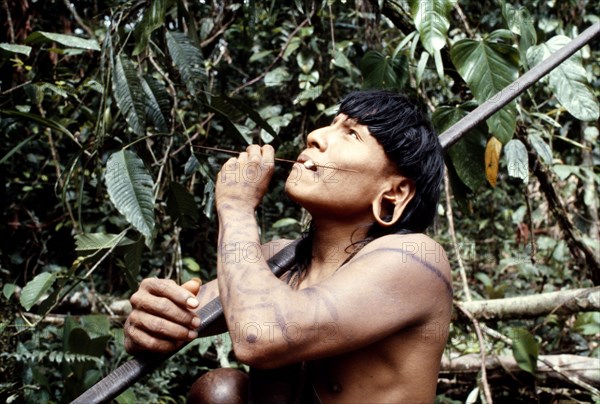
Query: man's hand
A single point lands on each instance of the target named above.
(163, 316)
(243, 181)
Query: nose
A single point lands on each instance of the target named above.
(318, 138)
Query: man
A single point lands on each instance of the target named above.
(363, 317)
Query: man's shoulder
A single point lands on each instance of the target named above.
(413, 243)
(413, 248)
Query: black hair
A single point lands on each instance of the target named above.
(410, 143)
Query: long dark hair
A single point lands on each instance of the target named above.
(409, 141)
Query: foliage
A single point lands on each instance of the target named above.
(103, 103)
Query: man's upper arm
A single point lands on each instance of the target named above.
(388, 286)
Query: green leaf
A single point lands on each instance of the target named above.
(252, 114)
(466, 154)
(65, 40)
(564, 171)
(130, 186)
(92, 242)
(568, 81)
(16, 148)
(587, 323)
(541, 147)
(154, 18)
(181, 206)
(8, 289)
(129, 93)
(525, 349)
(158, 103)
(431, 20)
(39, 120)
(132, 259)
(96, 325)
(14, 48)
(517, 159)
(383, 72)
(520, 22)
(187, 58)
(36, 288)
(489, 67)
(286, 221)
(277, 77)
(81, 343)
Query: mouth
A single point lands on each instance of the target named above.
(307, 162)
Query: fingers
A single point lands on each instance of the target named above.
(193, 285)
(256, 153)
(163, 316)
(169, 289)
(138, 338)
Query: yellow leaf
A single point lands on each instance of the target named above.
(492, 160)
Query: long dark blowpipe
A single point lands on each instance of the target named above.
(130, 372)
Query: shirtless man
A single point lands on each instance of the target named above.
(365, 313)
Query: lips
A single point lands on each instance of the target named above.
(307, 162)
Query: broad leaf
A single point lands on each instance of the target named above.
(154, 18)
(525, 349)
(8, 289)
(277, 77)
(187, 59)
(158, 103)
(431, 20)
(467, 155)
(130, 96)
(541, 147)
(91, 242)
(517, 160)
(492, 160)
(488, 68)
(130, 189)
(520, 22)
(14, 48)
(568, 81)
(36, 288)
(383, 72)
(65, 40)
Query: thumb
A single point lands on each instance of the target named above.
(193, 285)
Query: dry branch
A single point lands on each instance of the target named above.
(583, 368)
(562, 302)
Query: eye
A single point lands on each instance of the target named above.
(353, 134)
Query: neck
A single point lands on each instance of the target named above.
(332, 242)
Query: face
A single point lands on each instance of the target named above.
(347, 145)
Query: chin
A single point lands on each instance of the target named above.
(292, 190)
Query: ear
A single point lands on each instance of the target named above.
(392, 200)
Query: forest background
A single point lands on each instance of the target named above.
(103, 105)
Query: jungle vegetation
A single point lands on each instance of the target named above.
(103, 107)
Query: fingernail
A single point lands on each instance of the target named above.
(192, 334)
(192, 302)
(196, 322)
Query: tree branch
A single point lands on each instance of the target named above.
(572, 367)
(562, 302)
